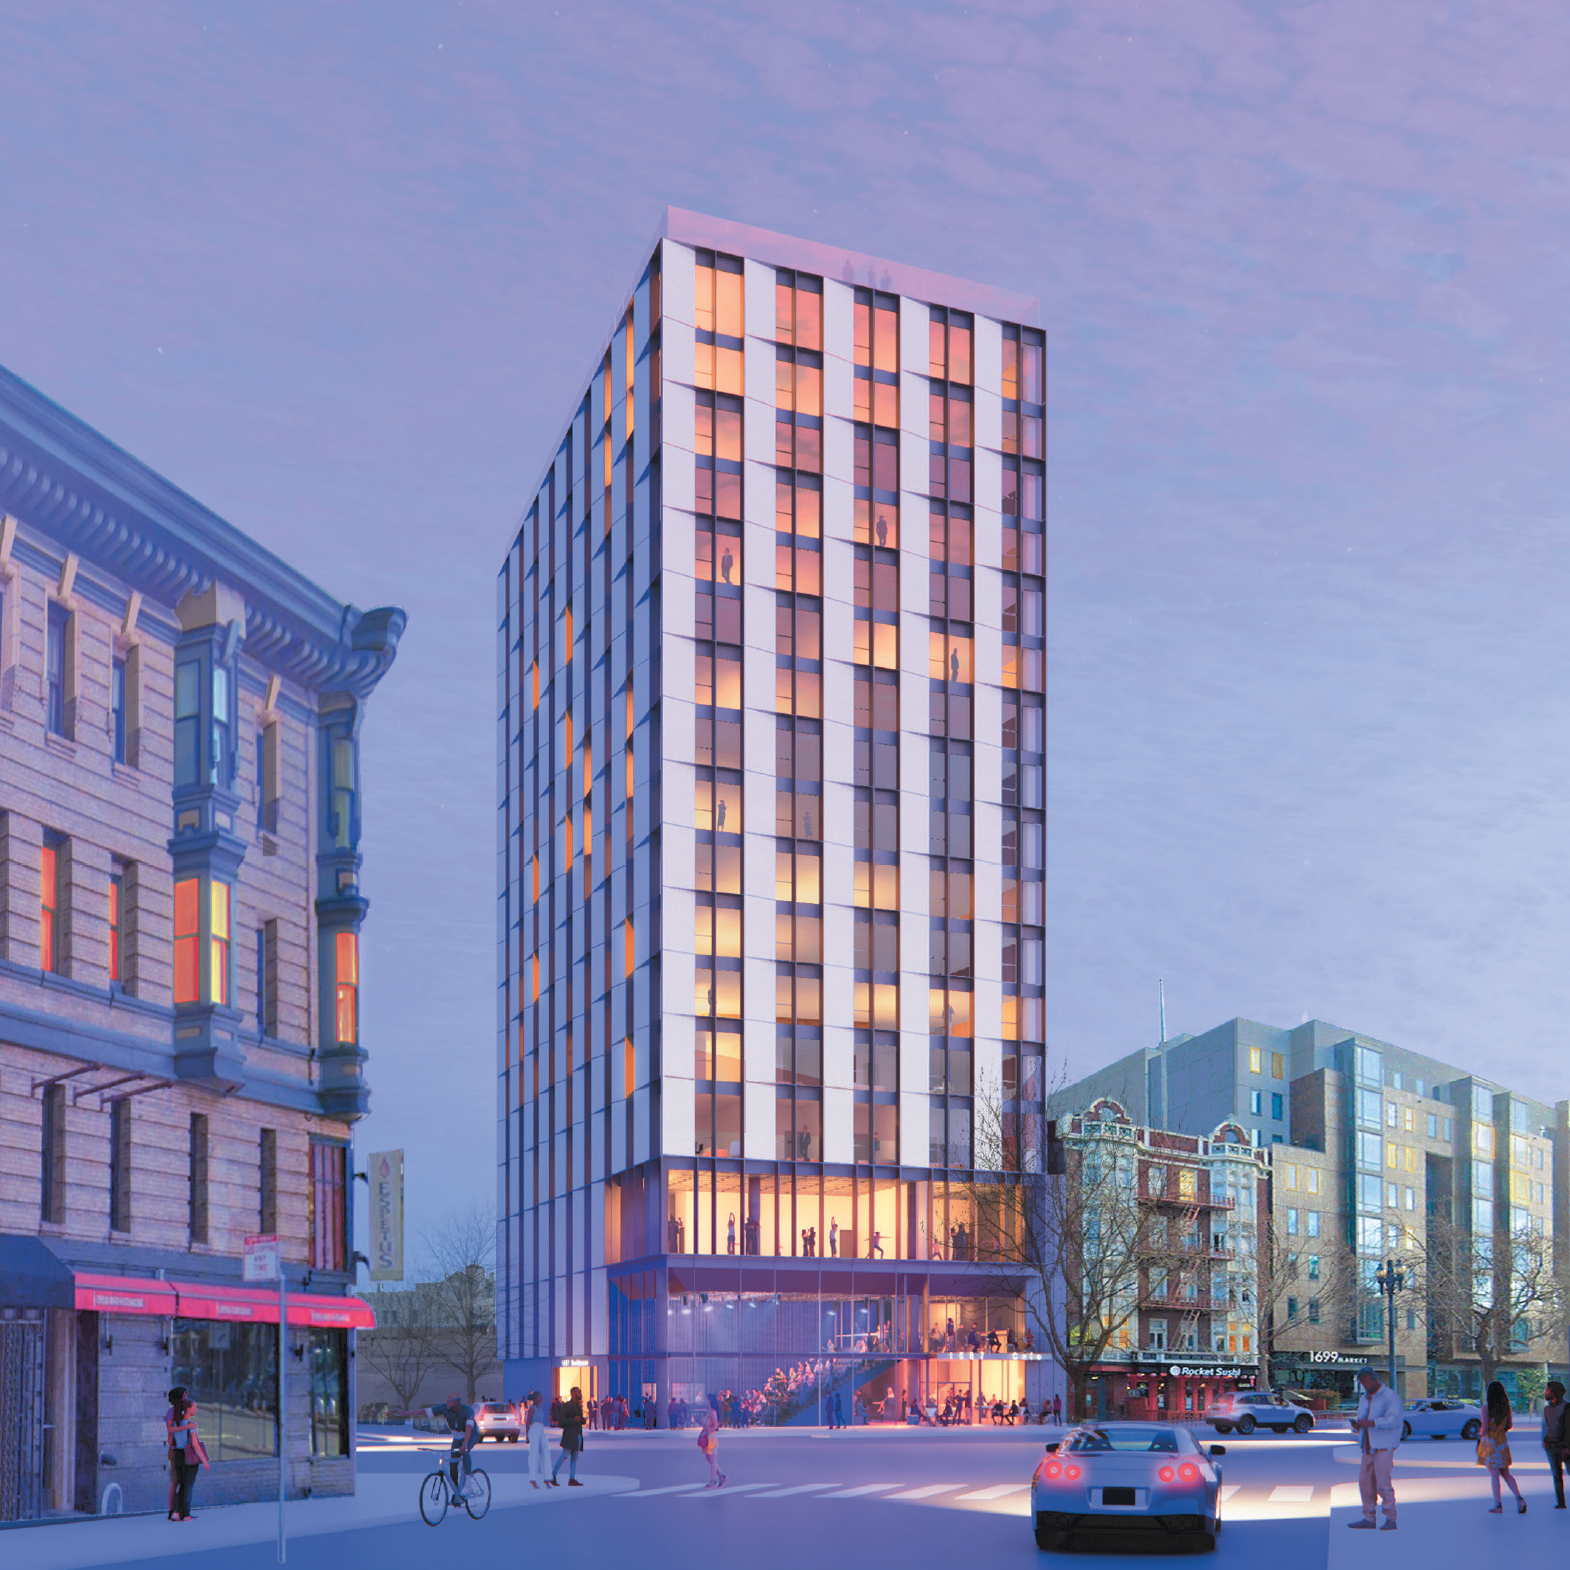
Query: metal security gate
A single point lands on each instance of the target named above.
(21, 1414)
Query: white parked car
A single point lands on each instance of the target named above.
(496, 1420)
(1246, 1410)
(1127, 1477)
(1441, 1416)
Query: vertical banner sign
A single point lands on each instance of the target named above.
(386, 1174)
(263, 1261)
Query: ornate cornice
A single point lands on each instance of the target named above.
(63, 479)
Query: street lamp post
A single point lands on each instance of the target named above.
(1391, 1277)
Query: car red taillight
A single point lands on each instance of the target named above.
(1167, 1474)
(1189, 1472)
(1070, 1472)
(1053, 1470)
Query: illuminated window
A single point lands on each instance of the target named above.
(115, 886)
(186, 952)
(347, 962)
(1255, 1060)
(220, 943)
(1276, 1065)
(49, 890)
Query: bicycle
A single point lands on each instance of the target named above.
(437, 1492)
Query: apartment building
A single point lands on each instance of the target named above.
(771, 835)
(1185, 1212)
(181, 1061)
(1376, 1153)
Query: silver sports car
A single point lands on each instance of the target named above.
(1126, 1477)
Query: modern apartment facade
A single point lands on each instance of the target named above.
(181, 1062)
(771, 789)
(1376, 1152)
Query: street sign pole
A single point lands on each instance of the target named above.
(264, 1262)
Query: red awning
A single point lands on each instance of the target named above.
(124, 1295)
(243, 1305)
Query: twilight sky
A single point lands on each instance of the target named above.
(339, 270)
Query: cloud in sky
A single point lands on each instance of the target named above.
(340, 271)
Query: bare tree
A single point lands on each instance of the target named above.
(402, 1349)
(1492, 1296)
(459, 1261)
(1074, 1244)
(1303, 1297)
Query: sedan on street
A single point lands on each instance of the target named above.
(1127, 1477)
(1441, 1416)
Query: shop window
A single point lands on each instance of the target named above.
(231, 1372)
(329, 1368)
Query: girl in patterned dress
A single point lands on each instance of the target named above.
(1493, 1446)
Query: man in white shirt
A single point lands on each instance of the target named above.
(1378, 1423)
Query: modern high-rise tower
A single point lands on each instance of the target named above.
(771, 790)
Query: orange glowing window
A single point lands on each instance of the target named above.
(630, 1068)
(631, 959)
(567, 826)
(47, 907)
(567, 652)
(347, 957)
(534, 964)
(114, 927)
(187, 959)
(536, 671)
(535, 865)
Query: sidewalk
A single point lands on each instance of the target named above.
(1445, 1521)
(384, 1498)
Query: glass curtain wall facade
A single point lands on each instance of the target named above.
(771, 756)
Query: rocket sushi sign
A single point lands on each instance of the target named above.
(386, 1175)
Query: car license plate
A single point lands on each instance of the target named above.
(1117, 1496)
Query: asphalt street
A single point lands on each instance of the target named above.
(846, 1498)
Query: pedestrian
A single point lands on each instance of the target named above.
(839, 1412)
(1555, 1436)
(709, 1444)
(534, 1437)
(1493, 1446)
(1378, 1423)
(1057, 1408)
(834, 1237)
(193, 1454)
(571, 1439)
(176, 1455)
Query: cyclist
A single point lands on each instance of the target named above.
(460, 1423)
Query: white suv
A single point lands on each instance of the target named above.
(1246, 1410)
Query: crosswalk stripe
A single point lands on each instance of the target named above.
(864, 1488)
(1292, 1494)
(728, 1488)
(649, 1493)
(998, 1491)
(927, 1492)
(800, 1488)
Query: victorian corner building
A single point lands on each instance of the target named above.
(181, 1062)
(771, 763)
